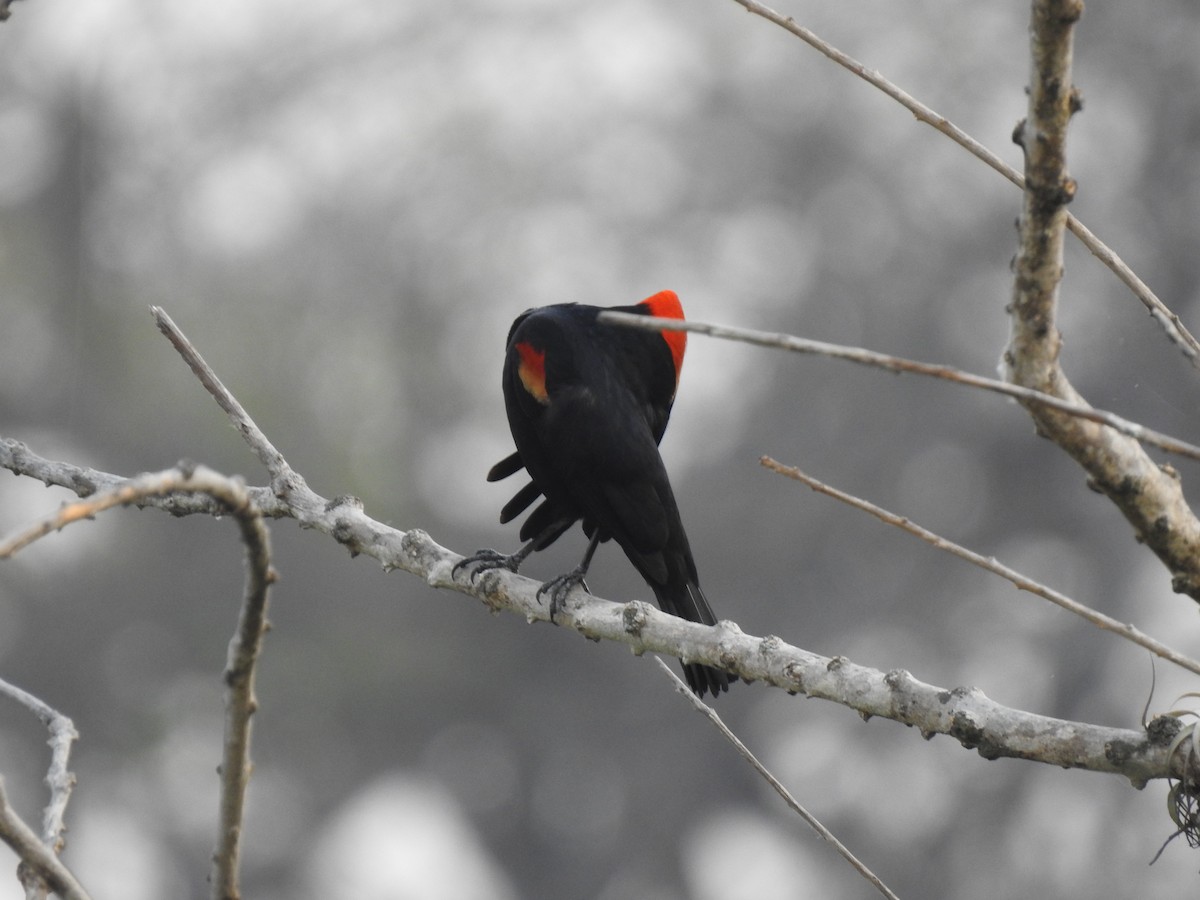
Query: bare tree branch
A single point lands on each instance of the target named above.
(283, 476)
(59, 778)
(35, 874)
(1035, 341)
(776, 785)
(186, 477)
(230, 497)
(38, 861)
(1026, 395)
(970, 717)
(963, 713)
(1150, 496)
(240, 701)
(85, 481)
(1168, 320)
(990, 564)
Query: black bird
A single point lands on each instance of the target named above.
(587, 405)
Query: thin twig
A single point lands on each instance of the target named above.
(283, 477)
(33, 872)
(240, 701)
(185, 477)
(128, 492)
(1175, 330)
(900, 364)
(990, 564)
(85, 481)
(59, 778)
(1170, 322)
(38, 860)
(244, 649)
(813, 822)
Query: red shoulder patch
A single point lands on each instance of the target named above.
(532, 371)
(666, 305)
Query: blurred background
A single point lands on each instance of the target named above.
(345, 205)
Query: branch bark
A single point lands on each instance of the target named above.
(1149, 496)
(227, 496)
(41, 869)
(963, 713)
(1171, 324)
(38, 861)
(991, 564)
(776, 785)
(59, 778)
(240, 700)
(1027, 395)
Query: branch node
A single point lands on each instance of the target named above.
(1163, 729)
(344, 500)
(1186, 583)
(1018, 134)
(418, 547)
(727, 652)
(1075, 100)
(794, 673)
(1066, 191)
(1072, 12)
(634, 617)
(965, 730)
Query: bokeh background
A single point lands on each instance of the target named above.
(345, 204)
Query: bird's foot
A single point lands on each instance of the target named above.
(558, 588)
(486, 560)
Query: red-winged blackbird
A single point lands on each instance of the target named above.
(587, 405)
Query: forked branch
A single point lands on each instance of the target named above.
(1171, 324)
(41, 869)
(900, 365)
(962, 713)
(1150, 496)
(228, 496)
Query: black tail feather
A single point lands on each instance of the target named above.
(700, 678)
(687, 601)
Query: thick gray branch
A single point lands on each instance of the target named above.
(1150, 496)
(962, 713)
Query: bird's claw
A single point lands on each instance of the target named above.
(559, 588)
(485, 561)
